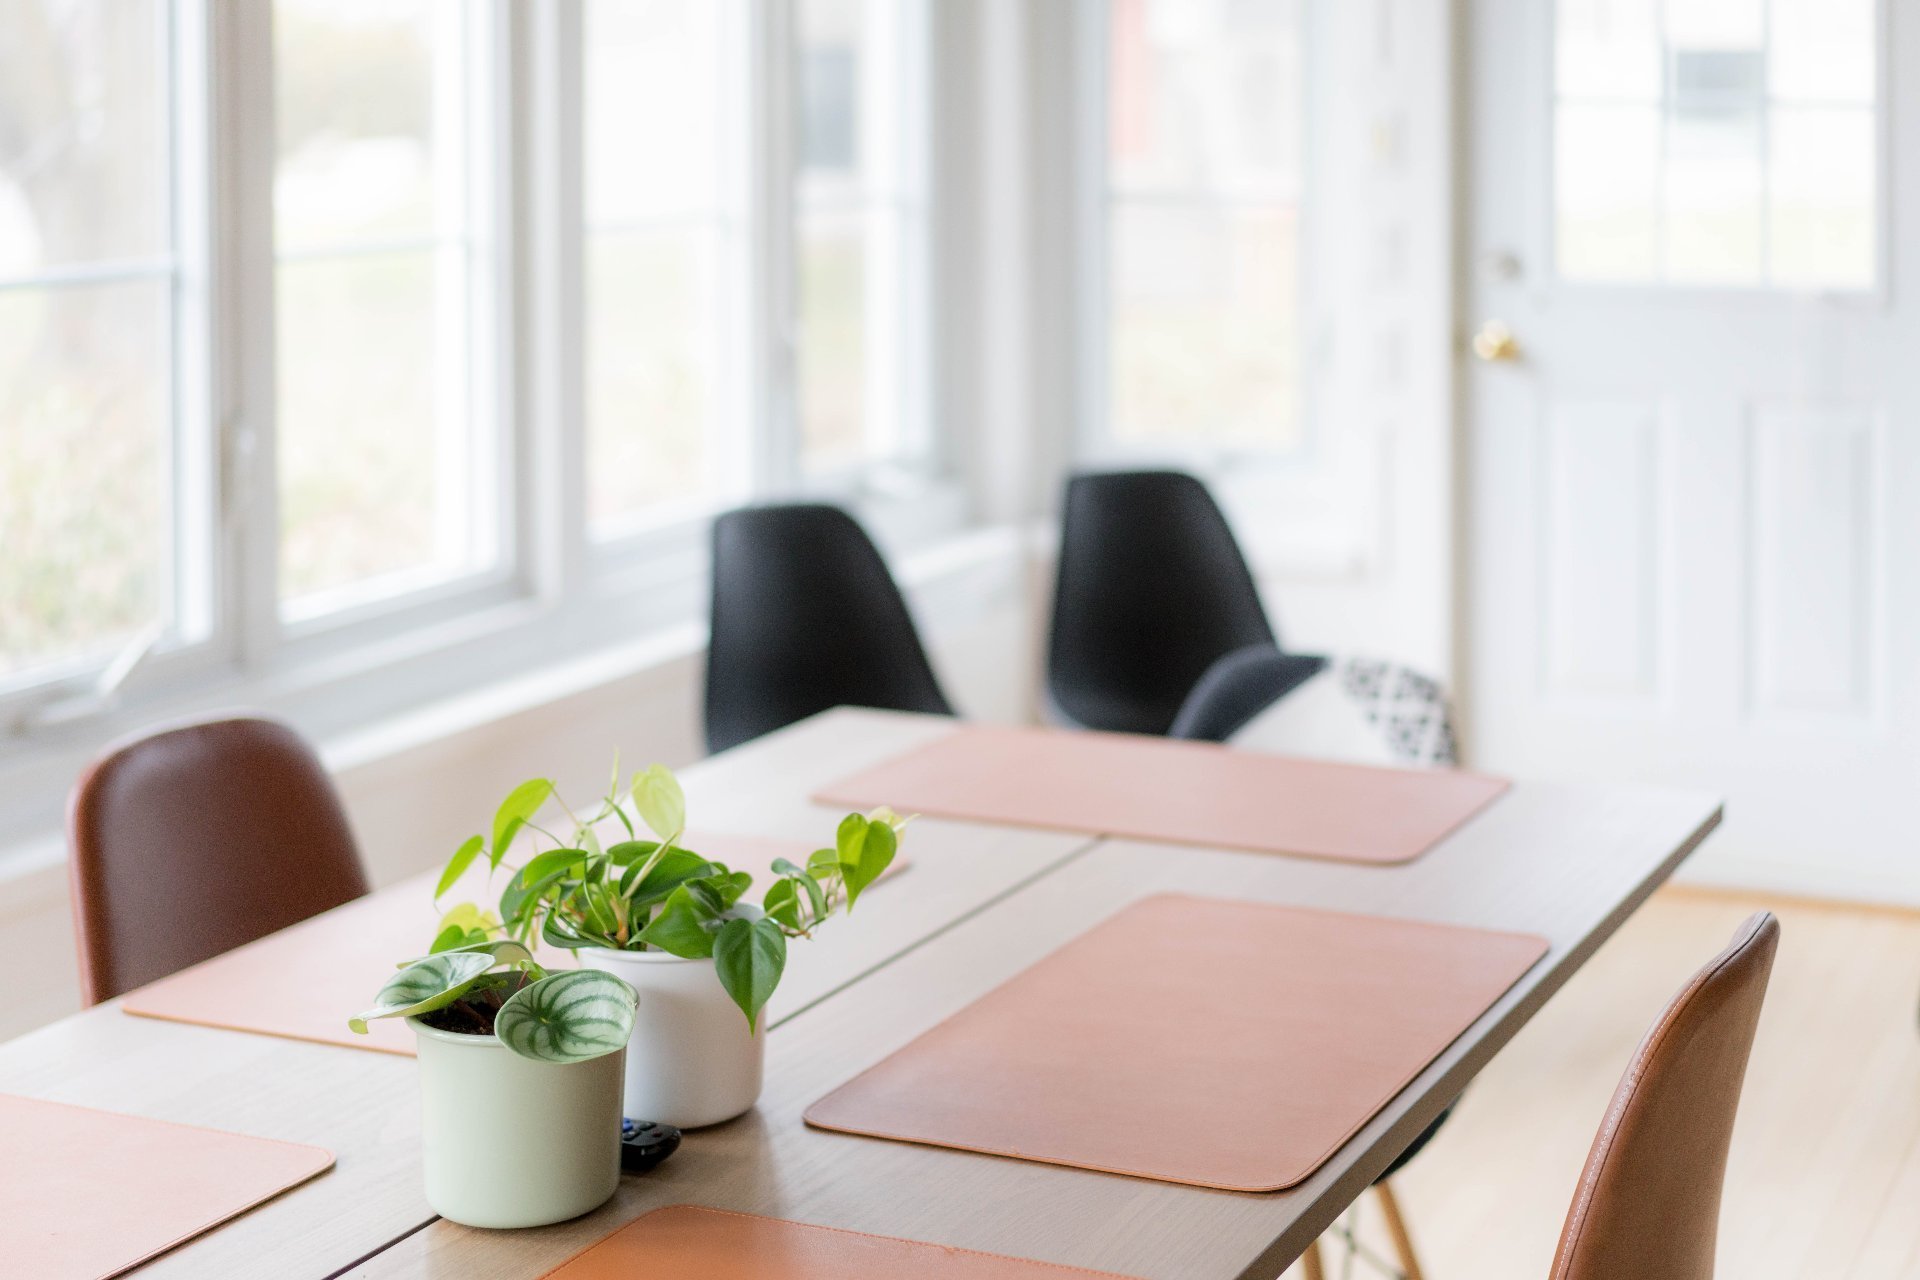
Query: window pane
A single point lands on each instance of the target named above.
(368, 489)
(1751, 162)
(1823, 51)
(1205, 126)
(1713, 186)
(83, 132)
(381, 450)
(1823, 197)
(1205, 95)
(1608, 49)
(358, 123)
(88, 538)
(860, 236)
(85, 469)
(1607, 173)
(832, 59)
(662, 241)
(650, 376)
(653, 97)
(1204, 342)
(1715, 24)
(833, 339)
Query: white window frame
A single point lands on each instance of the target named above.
(1094, 442)
(196, 637)
(481, 298)
(1542, 234)
(759, 455)
(554, 594)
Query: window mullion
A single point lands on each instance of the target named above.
(552, 245)
(193, 567)
(773, 312)
(243, 318)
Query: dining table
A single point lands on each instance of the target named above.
(978, 904)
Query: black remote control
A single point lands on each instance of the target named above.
(644, 1144)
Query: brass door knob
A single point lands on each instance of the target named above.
(1495, 342)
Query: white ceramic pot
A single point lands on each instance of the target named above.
(511, 1142)
(691, 1061)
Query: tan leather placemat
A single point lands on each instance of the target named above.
(337, 960)
(1198, 793)
(87, 1194)
(1223, 1044)
(684, 1240)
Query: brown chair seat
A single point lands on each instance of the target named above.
(195, 840)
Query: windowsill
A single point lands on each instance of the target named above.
(940, 577)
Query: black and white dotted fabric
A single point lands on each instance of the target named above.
(1406, 707)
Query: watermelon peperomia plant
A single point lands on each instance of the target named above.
(497, 987)
(638, 894)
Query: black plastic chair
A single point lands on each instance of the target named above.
(805, 617)
(1239, 687)
(1152, 590)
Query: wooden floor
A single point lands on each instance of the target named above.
(1824, 1178)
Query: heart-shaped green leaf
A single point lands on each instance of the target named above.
(520, 805)
(749, 956)
(684, 926)
(568, 1017)
(651, 879)
(876, 855)
(850, 839)
(544, 864)
(662, 805)
(457, 865)
(782, 902)
(520, 901)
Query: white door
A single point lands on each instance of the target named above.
(1693, 477)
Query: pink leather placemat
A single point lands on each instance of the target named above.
(87, 1194)
(339, 959)
(1223, 1044)
(1198, 793)
(684, 1240)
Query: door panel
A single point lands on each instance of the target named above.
(1692, 496)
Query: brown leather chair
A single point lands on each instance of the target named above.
(195, 840)
(1648, 1204)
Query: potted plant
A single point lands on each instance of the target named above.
(520, 1079)
(674, 924)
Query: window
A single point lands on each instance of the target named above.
(685, 199)
(1203, 120)
(665, 243)
(860, 233)
(99, 458)
(384, 441)
(302, 415)
(1716, 142)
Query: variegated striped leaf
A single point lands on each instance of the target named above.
(426, 985)
(568, 1017)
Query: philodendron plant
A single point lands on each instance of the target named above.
(496, 987)
(638, 894)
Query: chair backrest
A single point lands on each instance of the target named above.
(1151, 591)
(806, 617)
(1238, 688)
(195, 840)
(1648, 1204)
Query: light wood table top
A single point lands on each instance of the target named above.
(1568, 862)
(977, 905)
(364, 1107)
